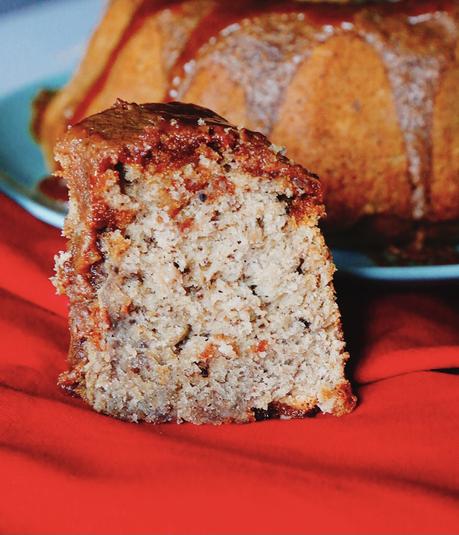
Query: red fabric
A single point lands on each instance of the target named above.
(390, 467)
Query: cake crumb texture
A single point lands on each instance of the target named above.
(200, 286)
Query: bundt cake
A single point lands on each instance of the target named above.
(367, 96)
(200, 286)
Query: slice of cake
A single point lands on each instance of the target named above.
(200, 286)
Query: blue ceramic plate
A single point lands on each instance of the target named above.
(68, 25)
(40, 40)
(21, 162)
(358, 264)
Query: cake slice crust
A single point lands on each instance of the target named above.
(200, 286)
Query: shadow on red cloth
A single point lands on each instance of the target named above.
(389, 467)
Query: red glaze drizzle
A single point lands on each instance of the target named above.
(225, 14)
(54, 187)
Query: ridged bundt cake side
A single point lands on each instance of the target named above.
(366, 96)
(200, 286)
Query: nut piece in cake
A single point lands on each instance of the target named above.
(200, 286)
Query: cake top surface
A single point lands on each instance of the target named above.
(125, 119)
(175, 134)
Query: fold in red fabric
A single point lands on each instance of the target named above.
(389, 467)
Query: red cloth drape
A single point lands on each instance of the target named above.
(390, 467)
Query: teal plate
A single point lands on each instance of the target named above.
(22, 167)
(21, 162)
(358, 264)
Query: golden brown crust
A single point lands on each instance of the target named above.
(371, 153)
(345, 401)
(444, 186)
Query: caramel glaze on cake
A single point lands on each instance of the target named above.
(145, 136)
(151, 188)
(365, 95)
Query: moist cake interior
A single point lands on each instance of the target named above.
(217, 297)
(220, 302)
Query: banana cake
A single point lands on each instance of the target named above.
(364, 94)
(200, 286)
